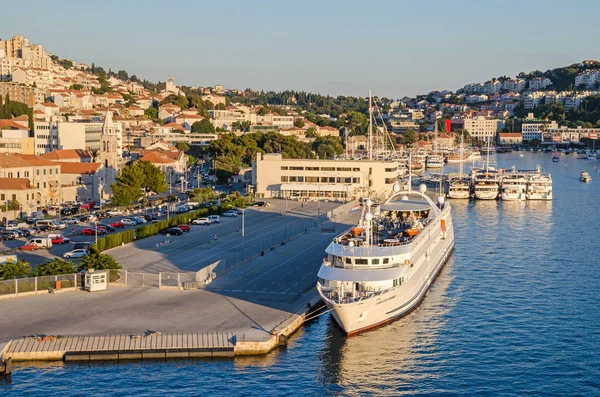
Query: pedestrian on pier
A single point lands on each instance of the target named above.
(73, 230)
(215, 236)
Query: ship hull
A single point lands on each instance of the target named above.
(486, 195)
(357, 317)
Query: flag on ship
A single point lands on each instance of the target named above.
(355, 208)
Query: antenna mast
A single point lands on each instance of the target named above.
(370, 128)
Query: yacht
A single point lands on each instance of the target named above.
(381, 269)
(585, 177)
(555, 159)
(435, 161)
(459, 188)
(539, 187)
(486, 184)
(514, 186)
(455, 158)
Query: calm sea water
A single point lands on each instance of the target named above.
(515, 312)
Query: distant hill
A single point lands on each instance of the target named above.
(563, 79)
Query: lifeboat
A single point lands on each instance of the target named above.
(357, 231)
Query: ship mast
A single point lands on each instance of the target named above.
(370, 127)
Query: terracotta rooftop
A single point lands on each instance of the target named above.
(79, 168)
(58, 155)
(157, 158)
(15, 184)
(11, 125)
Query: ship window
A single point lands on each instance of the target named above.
(386, 260)
(348, 260)
(375, 261)
(361, 261)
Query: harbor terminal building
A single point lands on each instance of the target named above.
(276, 177)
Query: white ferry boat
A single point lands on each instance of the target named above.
(539, 187)
(435, 161)
(514, 186)
(380, 269)
(459, 188)
(486, 184)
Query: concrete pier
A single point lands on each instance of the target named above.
(250, 310)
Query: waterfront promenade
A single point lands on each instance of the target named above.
(251, 301)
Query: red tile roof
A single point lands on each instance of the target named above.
(157, 158)
(58, 155)
(11, 125)
(15, 184)
(79, 168)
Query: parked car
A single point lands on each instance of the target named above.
(76, 253)
(117, 225)
(201, 221)
(138, 220)
(229, 214)
(150, 218)
(40, 242)
(50, 225)
(128, 222)
(29, 247)
(58, 238)
(237, 211)
(61, 224)
(261, 204)
(101, 228)
(71, 221)
(108, 228)
(114, 212)
(83, 245)
(172, 231)
(185, 228)
(90, 231)
(7, 236)
(214, 218)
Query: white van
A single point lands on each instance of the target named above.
(46, 222)
(41, 242)
(215, 218)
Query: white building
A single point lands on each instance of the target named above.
(531, 100)
(514, 85)
(532, 131)
(539, 83)
(275, 177)
(483, 128)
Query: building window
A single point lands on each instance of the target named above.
(293, 179)
(284, 168)
(14, 197)
(296, 168)
(356, 169)
(300, 179)
(311, 179)
(344, 169)
(18, 174)
(38, 185)
(327, 168)
(355, 180)
(50, 171)
(2, 197)
(284, 179)
(312, 168)
(44, 185)
(10, 175)
(44, 171)
(56, 169)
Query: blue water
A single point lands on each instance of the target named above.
(515, 312)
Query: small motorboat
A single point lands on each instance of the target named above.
(555, 159)
(585, 177)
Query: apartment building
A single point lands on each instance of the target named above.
(539, 83)
(36, 179)
(514, 85)
(483, 128)
(276, 177)
(535, 130)
(18, 92)
(32, 55)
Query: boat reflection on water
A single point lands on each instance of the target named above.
(384, 361)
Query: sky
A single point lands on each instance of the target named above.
(394, 48)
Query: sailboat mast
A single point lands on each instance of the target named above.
(462, 150)
(370, 128)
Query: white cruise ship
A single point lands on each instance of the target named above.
(380, 269)
(539, 187)
(514, 186)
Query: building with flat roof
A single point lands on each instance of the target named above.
(276, 177)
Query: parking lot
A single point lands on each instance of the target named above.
(182, 254)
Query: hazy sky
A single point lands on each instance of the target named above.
(394, 48)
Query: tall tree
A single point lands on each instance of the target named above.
(7, 108)
(153, 178)
(10, 270)
(203, 126)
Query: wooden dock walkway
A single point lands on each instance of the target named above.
(151, 345)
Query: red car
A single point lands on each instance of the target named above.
(60, 240)
(185, 228)
(117, 225)
(29, 247)
(87, 206)
(101, 229)
(88, 231)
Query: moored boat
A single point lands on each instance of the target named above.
(585, 177)
(381, 269)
